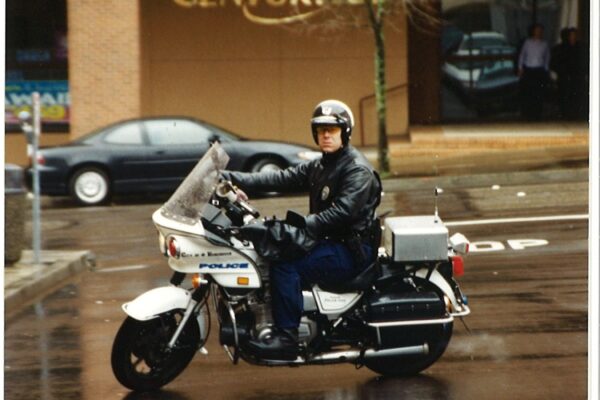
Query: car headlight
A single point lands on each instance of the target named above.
(309, 155)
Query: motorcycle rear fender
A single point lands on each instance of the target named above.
(438, 280)
(154, 302)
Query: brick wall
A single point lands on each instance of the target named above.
(104, 62)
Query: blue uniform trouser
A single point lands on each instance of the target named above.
(327, 262)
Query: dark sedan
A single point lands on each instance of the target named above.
(151, 155)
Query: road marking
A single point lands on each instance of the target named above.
(515, 244)
(524, 219)
(124, 268)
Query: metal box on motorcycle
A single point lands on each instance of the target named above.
(416, 238)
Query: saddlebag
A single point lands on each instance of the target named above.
(387, 307)
(406, 318)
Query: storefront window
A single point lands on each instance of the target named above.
(37, 60)
(480, 45)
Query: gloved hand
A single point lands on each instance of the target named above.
(241, 195)
(277, 241)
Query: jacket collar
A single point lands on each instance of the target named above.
(332, 158)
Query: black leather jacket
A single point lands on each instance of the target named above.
(344, 191)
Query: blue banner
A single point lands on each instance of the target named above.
(54, 96)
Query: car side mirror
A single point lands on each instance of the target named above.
(214, 139)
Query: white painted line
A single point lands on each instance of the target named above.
(124, 268)
(512, 220)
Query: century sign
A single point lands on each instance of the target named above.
(299, 10)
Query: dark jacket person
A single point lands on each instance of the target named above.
(337, 235)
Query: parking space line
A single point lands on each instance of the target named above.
(515, 220)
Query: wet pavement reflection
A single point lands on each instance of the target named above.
(48, 360)
(377, 388)
(528, 327)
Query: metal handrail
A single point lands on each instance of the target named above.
(361, 108)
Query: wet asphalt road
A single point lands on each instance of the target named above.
(529, 304)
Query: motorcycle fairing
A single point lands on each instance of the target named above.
(224, 264)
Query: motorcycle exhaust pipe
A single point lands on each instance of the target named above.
(351, 355)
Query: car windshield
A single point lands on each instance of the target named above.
(187, 203)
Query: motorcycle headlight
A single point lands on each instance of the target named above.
(309, 155)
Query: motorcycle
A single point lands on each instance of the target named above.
(395, 317)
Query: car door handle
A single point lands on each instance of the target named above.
(159, 152)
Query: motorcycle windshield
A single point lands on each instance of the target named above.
(194, 193)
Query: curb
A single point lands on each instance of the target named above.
(26, 281)
(499, 178)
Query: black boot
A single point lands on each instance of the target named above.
(282, 344)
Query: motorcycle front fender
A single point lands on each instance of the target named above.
(154, 302)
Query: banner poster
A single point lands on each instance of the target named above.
(54, 95)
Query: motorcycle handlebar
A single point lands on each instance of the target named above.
(226, 190)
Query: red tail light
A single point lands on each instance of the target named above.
(173, 248)
(458, 266)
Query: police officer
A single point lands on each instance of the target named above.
(337, 235)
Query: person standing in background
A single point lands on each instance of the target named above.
(568, 61)
(534, 61)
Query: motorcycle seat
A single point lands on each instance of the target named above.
(359, 283)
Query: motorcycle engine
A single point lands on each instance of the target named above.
(264, 323)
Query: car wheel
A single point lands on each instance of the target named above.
(266, 164)
(90, 186)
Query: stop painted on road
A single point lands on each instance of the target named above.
(514, 244)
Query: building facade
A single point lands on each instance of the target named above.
(256, 67)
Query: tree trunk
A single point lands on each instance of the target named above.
(380, 85)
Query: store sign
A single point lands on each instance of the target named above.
(295, 10)
(54, 97)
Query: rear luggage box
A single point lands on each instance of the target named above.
(415, 239)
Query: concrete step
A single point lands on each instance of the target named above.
(502, 136)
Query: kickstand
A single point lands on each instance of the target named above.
(359, 363)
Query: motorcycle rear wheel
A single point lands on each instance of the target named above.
(412, 365)
(140, 358)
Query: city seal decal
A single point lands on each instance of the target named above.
(325, 193)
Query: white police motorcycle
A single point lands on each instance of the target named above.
(395, 317)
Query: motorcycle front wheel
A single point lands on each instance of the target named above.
(437, 338)
(141, 360)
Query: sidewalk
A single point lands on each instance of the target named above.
(24, 281)
(430, 151)
(474, 149)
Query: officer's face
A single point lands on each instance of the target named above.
(330, 138)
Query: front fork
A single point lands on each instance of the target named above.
(197, 300)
